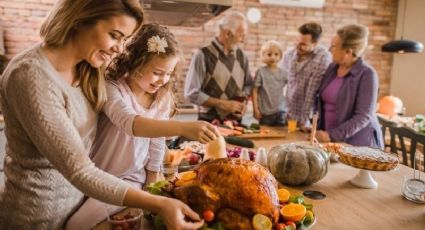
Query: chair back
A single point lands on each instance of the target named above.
(387, 125)
(408, 136)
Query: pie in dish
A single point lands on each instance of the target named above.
(367, 158)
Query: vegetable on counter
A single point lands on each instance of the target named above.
(239, 141)
(298, 164)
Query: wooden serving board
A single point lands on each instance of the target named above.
(271, 134)
(274, 133)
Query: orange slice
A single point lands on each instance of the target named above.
(283, 195)
(187, 176)
(180, 183)
(261, 222)
(293, 212)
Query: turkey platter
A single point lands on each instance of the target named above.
(233, 189)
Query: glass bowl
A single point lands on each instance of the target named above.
(129, 220)
(414, 189)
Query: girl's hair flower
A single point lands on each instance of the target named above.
(157, 44)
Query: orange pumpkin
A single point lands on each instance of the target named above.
(390, 106)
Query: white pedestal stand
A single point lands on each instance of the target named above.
(364, 179)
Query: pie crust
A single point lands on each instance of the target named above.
(365, 157)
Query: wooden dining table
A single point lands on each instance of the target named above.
(347, 206)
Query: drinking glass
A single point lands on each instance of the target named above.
(414, 189)
(292, 125)
(169, 171)
(130, 219)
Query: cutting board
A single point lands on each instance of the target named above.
(271, 134)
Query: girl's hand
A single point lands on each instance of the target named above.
(201, 131)
(257, 114)
(175, 213)
(323, 136)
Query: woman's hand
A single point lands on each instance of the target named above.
(323, 136)
(201, 131)
(175, 214)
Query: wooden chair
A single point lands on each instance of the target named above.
(409, 140)
(387, 125)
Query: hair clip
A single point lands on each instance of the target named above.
(157, 44)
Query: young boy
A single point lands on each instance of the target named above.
(267, 94)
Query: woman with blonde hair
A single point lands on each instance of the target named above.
(50, 94)
(138, 88)
(348, 93)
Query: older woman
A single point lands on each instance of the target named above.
(348, 93)
(50, 94)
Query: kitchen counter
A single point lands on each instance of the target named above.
(350, 207)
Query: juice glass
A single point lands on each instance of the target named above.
(169, 171)
(292, 125)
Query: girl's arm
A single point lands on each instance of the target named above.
(257, 84)
(256, 109)
(157, 146)
(120, 112)
(156, 153)
(201, 131)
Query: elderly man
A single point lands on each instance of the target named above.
(305, 64)
(218, 79)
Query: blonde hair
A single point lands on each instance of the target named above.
(61, 26)
(270, 44)
(354, 37)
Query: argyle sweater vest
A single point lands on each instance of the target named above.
(225, 79)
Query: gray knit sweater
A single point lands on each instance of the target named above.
(50, 128)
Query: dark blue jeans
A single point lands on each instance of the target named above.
(276, 119)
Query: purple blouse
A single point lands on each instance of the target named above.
(355, 103)
(329, 96)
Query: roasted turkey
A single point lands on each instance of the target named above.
(234, 189)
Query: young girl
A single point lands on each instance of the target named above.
(267, 94)
(138, 89)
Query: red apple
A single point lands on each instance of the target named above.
(193, 159)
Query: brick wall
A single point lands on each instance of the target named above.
(21, 20)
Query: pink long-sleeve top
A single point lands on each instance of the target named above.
(116, 149)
